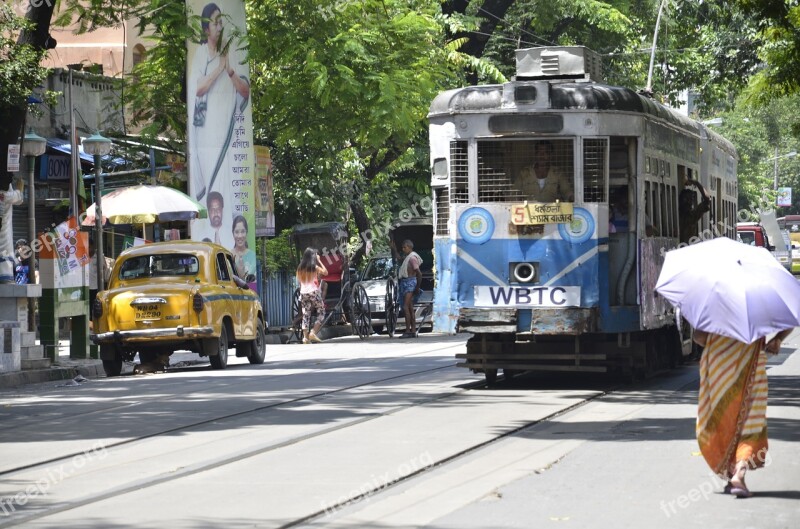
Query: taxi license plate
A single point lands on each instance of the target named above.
(148, 312)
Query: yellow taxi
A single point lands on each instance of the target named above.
(177, 295)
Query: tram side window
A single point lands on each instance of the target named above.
(673, 211)
(664, 213)
(667, 199)
(442, 196)
(594, 169)
(651, 214)
(546, 171)
(459, 172)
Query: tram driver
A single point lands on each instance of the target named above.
(544, 181)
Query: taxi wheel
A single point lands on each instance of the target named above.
(258, 347)
(113, 368)
(220, 360)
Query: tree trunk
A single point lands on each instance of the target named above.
(362, 225)
(40, 13)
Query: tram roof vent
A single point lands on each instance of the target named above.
(559, 62)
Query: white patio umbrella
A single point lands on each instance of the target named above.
(146, 204)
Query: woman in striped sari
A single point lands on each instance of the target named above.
(732, 412)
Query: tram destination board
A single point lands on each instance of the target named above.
(542, 213)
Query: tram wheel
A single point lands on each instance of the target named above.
(297, 315)
(491, 375)
(360, 317)
(391, 307)
(220, 360)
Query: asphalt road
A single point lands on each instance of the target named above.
(382, 433)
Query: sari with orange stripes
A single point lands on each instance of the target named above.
(732, 412)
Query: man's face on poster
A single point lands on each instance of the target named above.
(215, 214)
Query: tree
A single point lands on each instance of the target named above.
(348, 85)
(20, 70)
(778, 26)
(757, 133)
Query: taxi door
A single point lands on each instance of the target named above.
(224, 301)
(243, 306)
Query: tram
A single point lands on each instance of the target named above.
(560, 276)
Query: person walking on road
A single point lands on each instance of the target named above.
(409, 280)
(309, 272)
(732, 410)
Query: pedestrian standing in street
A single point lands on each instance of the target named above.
(409, 280)
(732, 409)
(309, 274)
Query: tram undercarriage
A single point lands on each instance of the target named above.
(635, 354)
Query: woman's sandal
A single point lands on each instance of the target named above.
(739, 489)
(727, 489)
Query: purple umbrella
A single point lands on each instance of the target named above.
(729, 288)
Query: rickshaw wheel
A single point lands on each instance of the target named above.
(297, 315)
(360, 317)
(391, 307)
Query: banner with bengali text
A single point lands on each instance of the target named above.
(220, 136)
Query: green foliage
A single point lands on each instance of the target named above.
(20, 72)
(756, 133)
(779, 49)
(343, 93)
(160, 77)
(280, 255)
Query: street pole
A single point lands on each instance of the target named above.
(98, 223)
(98, 146)
(33, 146)
(31, 221)
(649, 87)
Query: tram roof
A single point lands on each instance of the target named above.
(563, 96)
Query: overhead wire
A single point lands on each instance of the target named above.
(518, 26)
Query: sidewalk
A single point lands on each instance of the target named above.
(65, 368)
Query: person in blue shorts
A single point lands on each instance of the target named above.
(409, 280)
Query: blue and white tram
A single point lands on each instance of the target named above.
(565, 281)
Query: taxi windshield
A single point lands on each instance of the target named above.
(159, 265)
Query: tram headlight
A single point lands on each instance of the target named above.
(524, 272)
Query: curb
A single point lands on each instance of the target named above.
(55, 373)
(90, 369)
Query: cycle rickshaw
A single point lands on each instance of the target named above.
(381, 284)
(346, 302)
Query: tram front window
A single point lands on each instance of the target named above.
(544, 179)
(535, 170)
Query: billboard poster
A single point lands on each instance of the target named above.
(784, 197)
(63, 256)
(265, 207)
(220, 122)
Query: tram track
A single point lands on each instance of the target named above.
(206, 465)
(437, 465)
(210, 464)
(217, 419)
